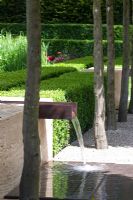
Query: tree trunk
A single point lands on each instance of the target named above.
(111, 113)
(130, 109)
(99, 121)
(122, 115)
(29, 185)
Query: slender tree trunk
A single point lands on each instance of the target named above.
(29, 185)
(99, 121)
(122, 115)
(130, 109)
(111, 113)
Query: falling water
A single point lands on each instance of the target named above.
(77, 127)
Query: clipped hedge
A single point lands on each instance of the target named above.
(17, 78)
(72, 90)
(57, 11)
(65, 88)
(79, 48)
(63, 31)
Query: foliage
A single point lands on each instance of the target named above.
(66, 88)
(64, 31)
(17, 78)
(12, 52)
(57, 11)
(78, 63)
(84, 62)
(12, 11)
(79, 48)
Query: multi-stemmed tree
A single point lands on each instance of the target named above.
(29, 185)
(99, 121)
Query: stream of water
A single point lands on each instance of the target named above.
(77, 127)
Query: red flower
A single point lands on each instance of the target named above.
(50, 58)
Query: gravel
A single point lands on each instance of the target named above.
(120, 147)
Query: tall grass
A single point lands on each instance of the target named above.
(12, 52)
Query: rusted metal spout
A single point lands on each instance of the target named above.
(57, 110)
(52, 110)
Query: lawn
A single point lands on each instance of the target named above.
(86, 62)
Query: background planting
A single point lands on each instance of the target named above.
(66, 87)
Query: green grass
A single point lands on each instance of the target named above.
(83, 62)
(78, 63)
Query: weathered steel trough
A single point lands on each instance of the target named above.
(47, 111)
(52, 110)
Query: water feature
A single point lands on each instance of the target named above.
(77, 127)
(73, 180)
(60, 181)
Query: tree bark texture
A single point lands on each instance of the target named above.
(122, 115)
(111, 113)
(29, 185)
(99, 121)
(130, 109)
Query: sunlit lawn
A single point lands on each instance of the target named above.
(82, 62)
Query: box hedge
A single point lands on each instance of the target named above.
(17, 78)
(79, 48)
(65, 88)
(63, 31)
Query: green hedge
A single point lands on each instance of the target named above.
(65, 88)
(79, 48)
(57, 11)
(63, 31)
(17, 78)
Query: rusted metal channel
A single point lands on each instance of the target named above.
(52, 110)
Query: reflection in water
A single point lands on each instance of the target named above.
(96, 185)
(61, 181)
(77, 127)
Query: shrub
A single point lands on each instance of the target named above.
(17, 78)
(65, 88)
(79, 48)
(57, 11)
(73, 91)
(64, 31)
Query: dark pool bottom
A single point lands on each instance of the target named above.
(69, 181)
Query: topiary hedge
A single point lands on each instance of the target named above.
(79, 48)
(17, 78)
(63, 31)
(58, 11)
(65, 88)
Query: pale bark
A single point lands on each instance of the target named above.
(29, 185)
(99, 121)
(111, 113)
(122, 115)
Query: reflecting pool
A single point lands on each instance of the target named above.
(74, 181)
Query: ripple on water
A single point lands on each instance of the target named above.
(88, 168)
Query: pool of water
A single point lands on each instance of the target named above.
(92, 182)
